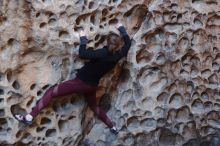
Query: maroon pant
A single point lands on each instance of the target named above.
(73, 86)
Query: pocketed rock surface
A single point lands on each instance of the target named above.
(167, 93)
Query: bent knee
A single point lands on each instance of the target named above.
(96, 110)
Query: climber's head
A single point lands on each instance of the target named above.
(114, 42)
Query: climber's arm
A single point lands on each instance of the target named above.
(126, 38)
(89, 54)
(127, 43)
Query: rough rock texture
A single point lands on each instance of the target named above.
(167, 94)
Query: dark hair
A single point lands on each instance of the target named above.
(114, 42)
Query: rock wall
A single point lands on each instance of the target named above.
(166, 94)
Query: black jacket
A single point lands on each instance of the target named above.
(101, 60)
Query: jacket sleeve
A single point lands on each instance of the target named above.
(127, 44)
(89, 54)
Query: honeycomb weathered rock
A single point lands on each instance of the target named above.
(167, 94)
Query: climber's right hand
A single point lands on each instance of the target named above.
(119, 24)
(82, 33)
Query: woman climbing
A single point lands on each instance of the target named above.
(87, 78)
